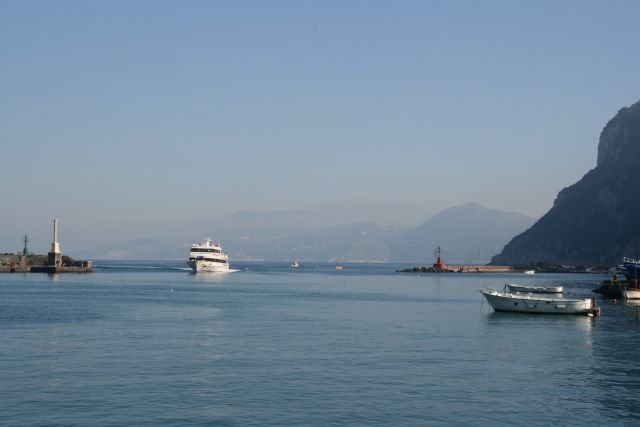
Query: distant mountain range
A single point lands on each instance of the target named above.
(593, 222)
(467, 234)
(596, 221)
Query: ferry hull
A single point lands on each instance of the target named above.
(200, 266)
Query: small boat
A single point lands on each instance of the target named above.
(518, 303)
(529, 272)
(295, 264)
(534, 289)
(339, 267)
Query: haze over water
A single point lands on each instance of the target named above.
(147, 344)
(130, 120)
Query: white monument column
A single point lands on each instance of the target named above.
(54, 257)
(55, 246)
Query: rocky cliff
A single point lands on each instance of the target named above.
(596, 221)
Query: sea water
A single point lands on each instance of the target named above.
(151, 344)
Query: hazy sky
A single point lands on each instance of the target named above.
(127, 119)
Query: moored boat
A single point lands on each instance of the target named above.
(208, 257)
(529, 272)
(612, 289)
(631, 293)
(534, 289)
(631, 268)
(519, 303)
(295, 264)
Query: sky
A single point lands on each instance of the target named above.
(131, 119)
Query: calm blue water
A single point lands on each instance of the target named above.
(149, 344)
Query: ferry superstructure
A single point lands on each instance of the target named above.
(208, 257)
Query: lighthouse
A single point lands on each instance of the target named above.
(54, 257)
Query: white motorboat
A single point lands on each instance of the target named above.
(295, 264)
(631, 293)
(519, 303)
(534, 289)
(529, 272)
(208, 257)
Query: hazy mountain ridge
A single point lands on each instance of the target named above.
(596, 220)
(265, 224)
(468, 234)
(361, 242)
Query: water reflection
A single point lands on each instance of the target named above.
(535, 323)
(211, 277)
(504, 316)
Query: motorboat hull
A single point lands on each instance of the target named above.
(518, 303)
(631, 293)
(535, 289)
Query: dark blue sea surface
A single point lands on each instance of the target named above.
(151, 344)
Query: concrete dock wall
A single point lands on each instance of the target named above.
(11, 263)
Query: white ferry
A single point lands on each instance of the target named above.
(207, 256)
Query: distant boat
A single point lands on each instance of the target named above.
(529, 272)
(295, 264)
(339, 267)
(534, 289)
(208, 257)
(519, 303)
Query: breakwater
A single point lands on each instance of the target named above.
(11, 263)
(461, 269)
